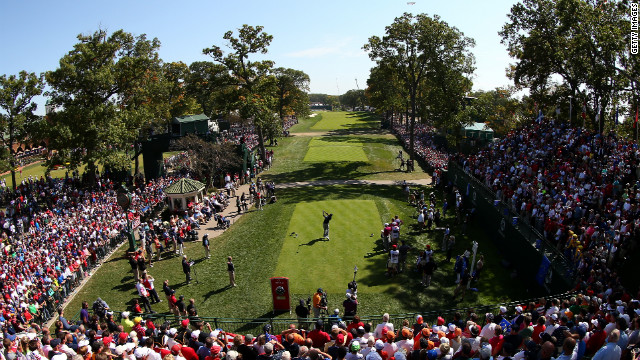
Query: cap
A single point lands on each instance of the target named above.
(336, 311)
(185, 322)
(125, 314)
(175, 349)
(503, 309)
(419, 319)
(173, 331)
(82, 343)
(379, 345)
(355, 345)
(432, 354)
(519, 309)
(452, 328)
(137, 320)
(123, 336)
(319, 290)
(440, 321)
(55, 342)
(120, 349)
(195, 334)
(554, 316)
(107, 340)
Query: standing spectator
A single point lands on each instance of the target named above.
(231, 269)
(384, 324)
(144, 294)
(186, 269)
(148, 284)
(205, 244)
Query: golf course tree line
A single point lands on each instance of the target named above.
(111, 91)
(575, 52)
(423, 65)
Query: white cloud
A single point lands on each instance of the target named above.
(341, 47)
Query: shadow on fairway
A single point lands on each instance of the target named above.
(312, 242)
(125, 286)
(216, 291)
(342, 192)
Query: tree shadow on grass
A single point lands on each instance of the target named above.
(124, 286)
(216, 291)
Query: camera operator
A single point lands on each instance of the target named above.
(302, 312)
(319, 302)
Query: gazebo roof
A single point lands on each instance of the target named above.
(184, 186)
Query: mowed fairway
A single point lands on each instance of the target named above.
(345, 121)
(311, 261)
(321, 150)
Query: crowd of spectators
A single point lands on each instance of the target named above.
(240, 134)
(578, 188)
(604, 326)
(424, 146)
(53, 232)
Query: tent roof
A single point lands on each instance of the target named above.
(184, 186)
(478, 127)
(189, 118)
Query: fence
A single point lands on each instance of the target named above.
(519, 242)
(254, 326)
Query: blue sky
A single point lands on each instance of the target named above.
(323, 39)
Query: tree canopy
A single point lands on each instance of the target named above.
(585, 43)
(432, 61)
(101, 90)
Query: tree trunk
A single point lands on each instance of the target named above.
(412, 126)
(263, 151)
(136, 154)
(13, 174)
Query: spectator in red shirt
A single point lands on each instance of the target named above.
(318, 336)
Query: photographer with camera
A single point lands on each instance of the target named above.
(319, 302)
(302, 312)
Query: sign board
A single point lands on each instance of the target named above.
(280, 294)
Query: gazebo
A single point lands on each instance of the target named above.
(184, 191)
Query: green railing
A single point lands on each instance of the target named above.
(254, 326)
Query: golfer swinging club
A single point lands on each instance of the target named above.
(325, 223)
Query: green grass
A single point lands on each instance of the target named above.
(304, 247)
(262, 245)
(340, 120)
(290, 164)
(335, 154)
(257, 243)
(305, 125)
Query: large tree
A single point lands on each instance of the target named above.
(16, 113)
(385, 92)
(99, 89)
(209, 84)
(585, 43)
(255, 85)
(353, 99)
(292, 92)
(431, 59)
